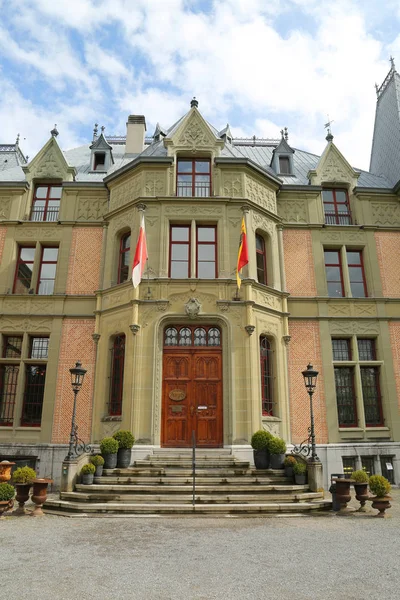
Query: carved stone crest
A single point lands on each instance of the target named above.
(192, 308)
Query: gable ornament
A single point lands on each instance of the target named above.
(192, 308)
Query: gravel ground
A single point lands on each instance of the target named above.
(298, 558)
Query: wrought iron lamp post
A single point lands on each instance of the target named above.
(77, 377)
(310, 380)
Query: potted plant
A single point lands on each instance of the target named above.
(300, 472)
(381, 487)
(343, 495)
(277, 449)
(98, 461)
(109, 449)
(259, 443)
(39, 495)
(87, 473)
(5, 470)
(288, 463)
(22, 479)
(7, 493)
(361, 479)
(125, 442)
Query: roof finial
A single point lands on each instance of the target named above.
(27, 158)
(327, 126)
(392, 63)
(282, 133)
(286, 134)
(102, 129)
(377, 89)
(194, 103)
(17, 140)
(54, 132)
(95, 131)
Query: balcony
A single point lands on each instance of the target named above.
(43, 214)
(338, 218)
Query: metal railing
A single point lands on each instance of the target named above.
(194, 468)
(338, 218)
(41, 214)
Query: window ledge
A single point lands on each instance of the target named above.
(269, 418)
(350, 429)
(111, 418)
(367, 429)
(28, 428)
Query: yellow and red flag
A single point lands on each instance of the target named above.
(243, 254)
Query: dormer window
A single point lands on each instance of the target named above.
(99, 161)
(336, 207)
(193, 178)
(284, 165)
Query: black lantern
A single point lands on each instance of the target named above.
(310, 378)
(77, 376)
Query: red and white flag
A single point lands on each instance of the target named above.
(140, 256)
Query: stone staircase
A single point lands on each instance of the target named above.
(163, 484)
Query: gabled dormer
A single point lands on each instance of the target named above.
(101, 157)
(282, 156)
(159, 133)
(226, 135)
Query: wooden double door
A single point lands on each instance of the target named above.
(192, 397)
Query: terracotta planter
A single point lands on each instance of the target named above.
(362, 495)
(39, 495)
(22, 497)
(5, 470)
(4, 506)
(343, 495)
(381, 504)
(261, 459)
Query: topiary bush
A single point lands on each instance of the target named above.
(7, 492)
(379, 485)
(276, 446)
(124, 438)
(24, 475)
(299, 468)
(360, 476)
(97, 460)
(260, 439)
(109, 445)
(88, 469)
(289, 461)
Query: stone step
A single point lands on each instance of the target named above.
(213, 452)
(184, 472)
(165, 480)
(185, 489)
(187, 498)
(187, 464)
(259, 508)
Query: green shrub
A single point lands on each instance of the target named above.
(109, 445)
(7, 492)
(24, 475)
(88, 469)
(97, 460)
(260, 439)
(360, 476)
(379, 485)
(124, 438)
(300, 468)
(289, 461)
(276, 446)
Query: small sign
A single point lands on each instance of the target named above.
(177, 395)
(202, 407)
(177, 409)
(389, 466)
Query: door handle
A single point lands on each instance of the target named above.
(192, 410)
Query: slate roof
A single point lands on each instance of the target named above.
(11, 159)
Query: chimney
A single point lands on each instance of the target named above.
(135, 130)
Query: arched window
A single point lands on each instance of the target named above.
(261, 260)
(117, 375)
(123, 262)
(267, 400)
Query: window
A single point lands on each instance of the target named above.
(284, 165)
(261, 260)
(24, 270)
(349, 465)
(12, 346)
(193, 178)
(368, 464)
(267, 403)
(8, 393)
(180, 251)
(47, 271)
(341, 265)
(124, 254)
(336, 207)
(357, 380)
(46, 203)
(117, 375)
(35, 379)
(192, 336)
(387, 468)
(99, 162)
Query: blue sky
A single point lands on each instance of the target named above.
(258, 64)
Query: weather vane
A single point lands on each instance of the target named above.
(329, 136)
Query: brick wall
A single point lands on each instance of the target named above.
(76, 344)
(304, 347)
(394, 329)
(388, 250)
(3, 231)
(84, 260)
(299, 264)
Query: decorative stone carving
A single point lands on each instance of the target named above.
(90, 209)
(333, 237)
(293, 211)
(154, 183)
(126, 192)
(365, 310)
(232, 185)
(96, 337)
(123, 220)
(195, 134)
(271, 427)
(333, 170)
(49, 165)
(269, 300)
(223, 306)
(162, 306)
(192, 308)
(260, 194)
(337, 310)
(192, 210)
(250, 329)
(267, 327)
(354, 327)
(26, 324)
(385, 213)
(286, 339)
(5, 204)
(37, 233)
(262, 222)
(134, 328)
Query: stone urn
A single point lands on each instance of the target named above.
(343, 495)
(5, 505)
(39, 495)
(381, 504)
(5, 470)
(21, 497)
(362, 495)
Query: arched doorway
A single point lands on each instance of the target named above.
(192, 386)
